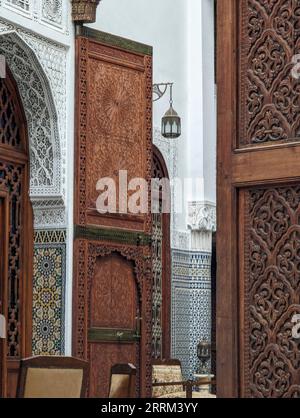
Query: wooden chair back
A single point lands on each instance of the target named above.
(52, 377)
(166, 371)
(122, 381)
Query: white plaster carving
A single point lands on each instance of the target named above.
(53, 13)
(23, 6)
(39, 67)
(49, 213)
(202, 216)
(181, 240)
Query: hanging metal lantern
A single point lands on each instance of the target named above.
(171, 124)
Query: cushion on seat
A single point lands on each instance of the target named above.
(166, 373)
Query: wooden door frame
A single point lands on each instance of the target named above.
(227, 283)
(10, 155)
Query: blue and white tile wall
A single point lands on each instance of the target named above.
(191, 306)
(49, 276)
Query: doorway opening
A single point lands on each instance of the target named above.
(16, 235)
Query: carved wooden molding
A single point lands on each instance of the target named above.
(115, 235)
(84, 11)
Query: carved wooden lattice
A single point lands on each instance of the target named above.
(157, 243)
(15, 266)
(10, 179)
(160, 265)
(269, 95)
(272, 292)
(157, 261)
(10, 130)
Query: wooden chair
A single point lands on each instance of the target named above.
(52, 377)
(168, 382)
(122, 381)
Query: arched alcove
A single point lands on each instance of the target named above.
(41, 115)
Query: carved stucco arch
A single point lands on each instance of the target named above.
(41, 115)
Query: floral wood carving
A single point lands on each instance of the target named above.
(269, 95)
(272, 291)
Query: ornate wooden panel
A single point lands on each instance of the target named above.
(113, 288)
(105, 355)
(271, 284)
(269, 95)
(114, 310)
(16, 231)
(258, 198)
(115, 130)
(112, 252)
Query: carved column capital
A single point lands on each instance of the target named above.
(84, 11)
(202, 216)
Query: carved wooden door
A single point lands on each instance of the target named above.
(16, 238)
(258, 198)
(114, 326)
(112, 250)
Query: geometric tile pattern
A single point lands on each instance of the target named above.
(49, 274)
(191, 307)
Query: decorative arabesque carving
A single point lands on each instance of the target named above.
(21, 4)
(52, 10)
(39, 67)
(40, 114)
(269, 94)
(272, 292)
(202, 216)
(54, 13)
